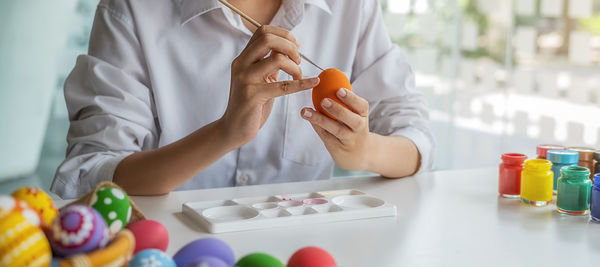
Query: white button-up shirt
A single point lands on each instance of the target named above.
(158, 70)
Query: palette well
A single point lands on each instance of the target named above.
(252, 213)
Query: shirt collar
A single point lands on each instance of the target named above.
(192, 8)
(322, 4)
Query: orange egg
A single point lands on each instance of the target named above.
(331, 81)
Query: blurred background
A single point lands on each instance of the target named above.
(499, 76)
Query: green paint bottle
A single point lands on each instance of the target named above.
(574, 189)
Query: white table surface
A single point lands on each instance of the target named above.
(445, 218)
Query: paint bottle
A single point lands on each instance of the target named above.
(574, 189)
(586, 158)
(559, 159)
(509, 184)
(536, 182)
(543, 149)
(595, 198)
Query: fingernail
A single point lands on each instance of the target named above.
(342, 92)
(315, 80)
(326, 103)
(307, 114)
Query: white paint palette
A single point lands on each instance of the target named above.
(221, 216)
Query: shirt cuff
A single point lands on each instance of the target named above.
(79, 186)
(424, 143)
(105, 171)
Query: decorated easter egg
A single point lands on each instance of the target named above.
(77, 229)
(331, 80)
(39, 201)
(311, 257)
(151, 258)
(259, 260)
(22, 243)
(207, 261)
(204, 247)
(159, 239)
(9, 204)
(114, 206)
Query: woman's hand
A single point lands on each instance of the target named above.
(254, 82)
(254, 85)
(348, 139)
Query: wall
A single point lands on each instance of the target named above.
(499, 76)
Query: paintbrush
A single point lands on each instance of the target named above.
(257, 25)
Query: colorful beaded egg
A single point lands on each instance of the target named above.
(39, 201)
(114, 206)
(22, 243)
(9, 204)
(77, 229)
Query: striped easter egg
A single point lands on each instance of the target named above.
(9, 204)
(22, 243)
(39, 201)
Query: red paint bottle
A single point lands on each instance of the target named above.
(543, 149)
(509, 184)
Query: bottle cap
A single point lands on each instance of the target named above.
(585, 153)
(542, 149)
(538, 164)
(563, 156)
(575, 171)
(597, 179)
(513, 158)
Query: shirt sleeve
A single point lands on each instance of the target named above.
(381, 75)
(110, 105)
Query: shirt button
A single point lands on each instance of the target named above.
(243, 179)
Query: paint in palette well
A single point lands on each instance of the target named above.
(314, 201)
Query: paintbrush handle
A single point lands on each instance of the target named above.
(257, 25)
(236, 10)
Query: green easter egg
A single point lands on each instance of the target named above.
(259, 260)
(114, 206)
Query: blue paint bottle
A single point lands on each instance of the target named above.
(560, 159)
(595, 201)
(597, 158)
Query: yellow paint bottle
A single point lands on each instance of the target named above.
(537, 182)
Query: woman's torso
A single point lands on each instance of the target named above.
(188, 48)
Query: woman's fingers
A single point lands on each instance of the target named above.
(342, 114)
(275, 62)
(277, 89)
(260, 48)
(281, 32)
(339, 130)
(358, 104)
(329, 139)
